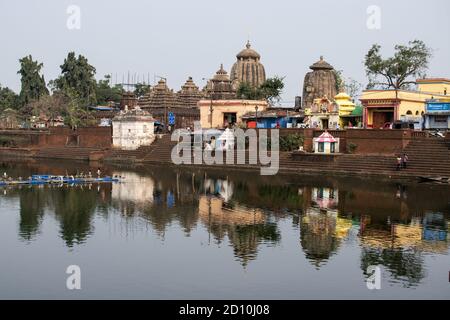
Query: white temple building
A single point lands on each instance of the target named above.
(326, 143)
(132, 129)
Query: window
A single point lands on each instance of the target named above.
(321, 147)
(440, 118)
(417, 112)
(332, 147)
(409, 112)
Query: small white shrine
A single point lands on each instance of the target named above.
(132, 129)
(326, 144)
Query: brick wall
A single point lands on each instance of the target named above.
(93, 137)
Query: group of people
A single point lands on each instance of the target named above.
(402, 161)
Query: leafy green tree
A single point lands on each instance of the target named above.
(269, 90)
(399, 71)
(77, 76)
(141, 89)
(247, 91)
(105, 92)
(33, 83)
(8, 99)
(76, 115)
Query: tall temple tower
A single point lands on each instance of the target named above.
(189, 95)
(319, 83)
(159, 96)
(220, 86)
(248, 68)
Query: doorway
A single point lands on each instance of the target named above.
(381, 118)
(229, 119)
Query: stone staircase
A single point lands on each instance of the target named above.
(161, 150)
(125, 155)
(428, 157)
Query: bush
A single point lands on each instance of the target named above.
(351, 147)
(291, 142)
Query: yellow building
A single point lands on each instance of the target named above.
(225, 113)
(438, 86)
(383, 107)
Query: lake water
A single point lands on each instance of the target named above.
(173, 233)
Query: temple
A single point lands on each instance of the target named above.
(189, 95)
(248, 68)
(159, 96)
(319, 83)
(220, 86)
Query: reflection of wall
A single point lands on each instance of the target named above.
(402, 236)
(135, 188)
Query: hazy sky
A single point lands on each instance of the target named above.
(179, 38)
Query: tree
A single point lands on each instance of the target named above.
(247, 91)
(50, 106)
(409, 62)
(105, 93)
(77, 76)
(269, 90)
(348, 85)
(141, 89)
(33, 83)
(8, 99)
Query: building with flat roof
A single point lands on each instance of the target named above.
(383, 107)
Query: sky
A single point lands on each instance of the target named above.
(176, 39)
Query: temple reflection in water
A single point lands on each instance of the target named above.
(392, 225)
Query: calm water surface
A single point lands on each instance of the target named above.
(170, 233)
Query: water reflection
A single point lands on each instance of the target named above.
(389, 224)
(245, 227)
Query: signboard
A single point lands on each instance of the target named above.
(438, 106)
(171, 118)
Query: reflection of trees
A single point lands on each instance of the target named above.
(74, 209)
(404, 265)
(245, 239)
(32, 204)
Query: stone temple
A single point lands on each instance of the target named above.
(319, 83)
(248, 68)
(220, 87)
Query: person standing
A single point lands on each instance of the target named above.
(399, 162)
(404, 160)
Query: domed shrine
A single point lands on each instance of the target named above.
(248, 68)
(319, 83)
